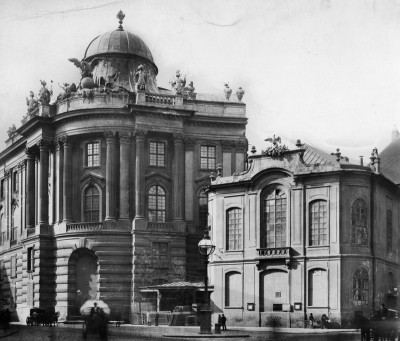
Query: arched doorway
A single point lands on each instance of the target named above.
(274, 287)
(82, 279)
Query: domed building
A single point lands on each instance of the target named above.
(103, 188)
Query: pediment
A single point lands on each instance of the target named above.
(92, 178)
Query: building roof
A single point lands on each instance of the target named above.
(306, 159)
(390, 161)
(118, 41)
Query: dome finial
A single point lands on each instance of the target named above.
(120, 16)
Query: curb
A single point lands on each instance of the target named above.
(208, 336)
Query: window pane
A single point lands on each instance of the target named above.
(234, 229)
(207, 157)
(318, 223)
(91, 205)
(156, 204)
(157, 152)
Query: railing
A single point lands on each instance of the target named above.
(160, 99)
(2, 238)
(14, 235)
(84, 227)
(276, 252)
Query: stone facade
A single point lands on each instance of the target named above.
(301, 231)
(101, 191)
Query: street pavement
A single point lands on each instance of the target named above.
(145, 333)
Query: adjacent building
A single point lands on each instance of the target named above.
(102, 189)
(302, 231)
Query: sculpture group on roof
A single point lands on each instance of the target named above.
(277, 149)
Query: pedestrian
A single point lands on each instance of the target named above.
(312, 320)
(148, 319)
(223, 322)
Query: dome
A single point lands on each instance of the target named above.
(120, 42)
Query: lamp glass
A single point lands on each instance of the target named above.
(206, 245)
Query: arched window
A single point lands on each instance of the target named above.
(389, 225)
(156, 204)
(360, 287)
(233, 289)
(203, 209)
(318, 223)
(91, 208)
(234, 229)
(359, 233)
(318, 288)
(274, 220)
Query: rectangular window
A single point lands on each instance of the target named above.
(15, 182)
(2, 188)
(160, 249)
(13, 266)
(207, 157)
(157, 154)
(318, 223)
(93, 154)
(31, 259)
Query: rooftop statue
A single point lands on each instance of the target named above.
(277, 149)
(11, 131)
(178, 84)
(86, 68)
(227, 91)
(140, 78)
(31, 102)
(189, 91)
(68, 90)
(239, 93)
(44, 93)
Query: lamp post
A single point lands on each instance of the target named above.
(206, 248)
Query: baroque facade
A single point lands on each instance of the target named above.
(302, 231)
(102, 190)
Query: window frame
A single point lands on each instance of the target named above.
(30, 259)
(227, 296)
(311, 224)
(156, 209)
(264, 243)
(237, 232)
(359, 233)
(2, 188)
(86, 153)
(207, 157)
(157, 154)
(362, 279)
(85, 196)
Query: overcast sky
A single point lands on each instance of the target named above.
(323, 71)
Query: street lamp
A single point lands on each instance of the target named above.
(206, 248)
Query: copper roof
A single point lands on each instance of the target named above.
(118, 41)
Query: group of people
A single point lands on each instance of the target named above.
(222, 321)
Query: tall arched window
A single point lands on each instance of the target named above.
(359, 232)
(91, 208)
(203, 209)
(389, 226)
(360, 287)
(234, 231)
(318, 223)
(156, 204)
(274, 220)
(233, 289)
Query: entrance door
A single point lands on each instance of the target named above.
(274, 290)
(83, 279)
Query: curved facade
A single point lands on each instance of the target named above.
(100, 189)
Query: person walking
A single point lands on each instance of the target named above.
(223, 322)
(312, 320)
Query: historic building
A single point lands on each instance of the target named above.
(102, 188)
(302, 231)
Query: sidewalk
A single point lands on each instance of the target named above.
(194, 332)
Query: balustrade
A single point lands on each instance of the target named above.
(277, 252)
(76, 227)
(160, 99)
(160, 226)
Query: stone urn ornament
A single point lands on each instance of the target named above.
(227, 91)
(239, 93)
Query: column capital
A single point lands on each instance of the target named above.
(110, 136)
(178, 138)
(124, 138)
(43, 144)
(30, 153)
(227, 146)
(7, 173)
(140, 134)
(21, 165)
(189, 143)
